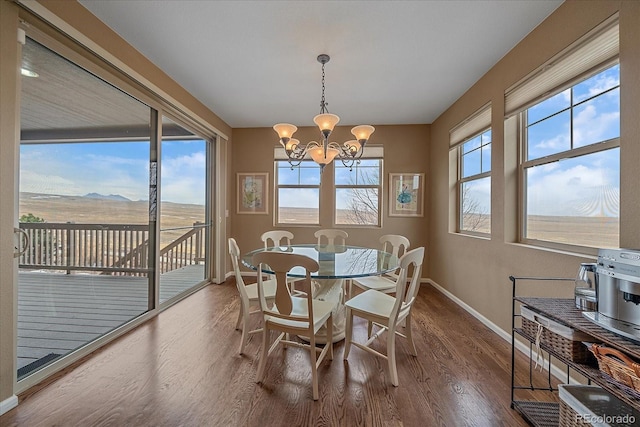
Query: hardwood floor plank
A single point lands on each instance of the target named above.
(182, 368)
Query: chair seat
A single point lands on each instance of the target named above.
(372, 302)
(321, 312)
(269, 290)
(378, 283)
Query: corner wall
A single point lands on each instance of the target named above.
(476, 270)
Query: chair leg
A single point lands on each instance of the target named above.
(369, 328)
(239, 316)
(314, 366)
(391, 356)
(412, 345)
(265, 353)
(245, 329)
(347, 333)
(330, 336)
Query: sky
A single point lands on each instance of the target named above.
(588, 185)
(120, 168)
(309, 174)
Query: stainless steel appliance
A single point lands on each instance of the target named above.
(586, 290)
(618, 292)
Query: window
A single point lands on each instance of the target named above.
(297, 193)
(357, 193)
(571, 164)
(470, 144)
(474, 187)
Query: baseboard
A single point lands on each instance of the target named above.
(556, 371)
(8, 404)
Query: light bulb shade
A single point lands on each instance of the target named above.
(362, 132)
(291, 144)
(326, 121)
(285, 130)
(319, 156)
(352, 147)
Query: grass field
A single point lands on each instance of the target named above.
(587, 231)
(84, 210)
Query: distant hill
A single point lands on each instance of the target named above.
(115, 197)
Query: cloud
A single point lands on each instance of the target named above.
(564, 190)
(75, 171)
(298, 198)
(590, 126)
(184, 178)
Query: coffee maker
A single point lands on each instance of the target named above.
(618, 292)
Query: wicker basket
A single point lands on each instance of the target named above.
(583, 405)
(569, 417)
(561, 339)
(618, 365)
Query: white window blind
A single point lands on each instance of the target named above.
(478, 121)
(599, 46)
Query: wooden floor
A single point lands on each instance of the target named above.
(182, 368)
(57, 313)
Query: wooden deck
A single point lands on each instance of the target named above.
(57, 313)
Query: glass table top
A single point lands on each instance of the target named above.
(336, 262)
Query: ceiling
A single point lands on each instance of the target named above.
(254, 63)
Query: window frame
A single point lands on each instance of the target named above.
(524, 165)
(276, 198)
(380, 188)
(476, 177)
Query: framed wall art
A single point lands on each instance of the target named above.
(253, 191)
(406, 194)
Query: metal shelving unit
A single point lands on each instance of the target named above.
(563, 311)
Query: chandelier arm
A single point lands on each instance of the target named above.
(344, 153)
(294, 163)
(348, 162)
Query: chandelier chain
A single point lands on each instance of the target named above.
(323, 104)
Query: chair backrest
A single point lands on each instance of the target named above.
(332, 236)
(276, 237)
(406, 294)
(395, 244)
(281, 263)
(234, 253)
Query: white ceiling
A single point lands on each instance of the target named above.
(392, 62)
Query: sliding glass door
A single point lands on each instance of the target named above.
(184, 210)
(84, 203)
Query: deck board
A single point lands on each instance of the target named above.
(58, 313)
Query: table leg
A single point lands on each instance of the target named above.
(331, 290)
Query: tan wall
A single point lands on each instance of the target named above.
(405, 150)
(477, 270)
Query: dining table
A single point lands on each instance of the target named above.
(337, 263)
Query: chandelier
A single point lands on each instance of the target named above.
(324, 152)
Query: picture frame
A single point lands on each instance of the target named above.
(406, 194)
(253, 193)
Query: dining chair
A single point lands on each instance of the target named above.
(397, 246)
(387, 312)
(248, 296)
(280, 238)
(276, 238)
(293, 315)
(332, 236)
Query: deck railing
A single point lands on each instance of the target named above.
(120, 249)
